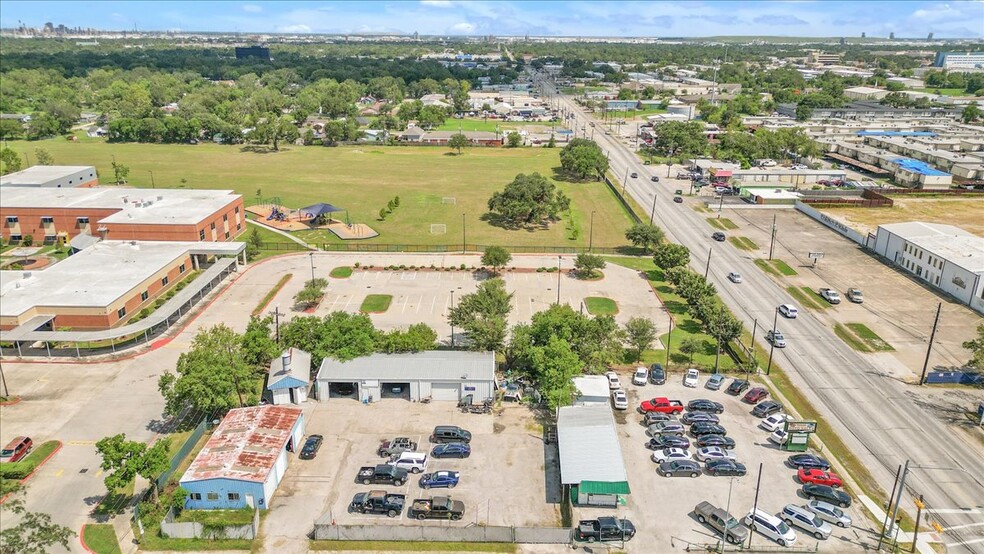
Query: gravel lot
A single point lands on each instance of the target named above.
(662, 508)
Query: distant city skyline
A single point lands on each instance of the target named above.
(794, 18)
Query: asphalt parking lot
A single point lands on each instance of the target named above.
(905, 325)
(662, 507)
(503, 482)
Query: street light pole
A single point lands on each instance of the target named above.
(462, 232)
(153, 185)
(669, 338)
(652, 214)
(311, 255)
(591, 232)
(452, 320)
(707, 268)
(772, 343)
(772, 243)
(558, 280)
(755, 504)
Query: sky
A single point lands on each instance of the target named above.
(826, 18)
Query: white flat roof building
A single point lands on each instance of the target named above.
(943, 256)
(591, 389)
(51, 176)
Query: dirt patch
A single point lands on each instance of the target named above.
(963, 212)
(498, 428)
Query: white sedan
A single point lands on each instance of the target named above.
(713, 453)
(774, 421)
(734, 277)
(613, 382)
(670, 454)
(620, 400)
(778, 437)
(640, 377)
(691, 378)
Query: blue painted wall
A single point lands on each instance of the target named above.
(222, 487)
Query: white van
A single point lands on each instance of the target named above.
(771, 526)
(414, 462)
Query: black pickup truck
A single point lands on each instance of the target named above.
(439, 507)
(378, 502)
(381, 474)
(604, 529)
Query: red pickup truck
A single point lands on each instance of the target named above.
(662, 405)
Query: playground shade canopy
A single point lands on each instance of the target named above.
(315, 210)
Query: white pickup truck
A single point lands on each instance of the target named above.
(830, 295)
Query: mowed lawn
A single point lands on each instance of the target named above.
(362, 179)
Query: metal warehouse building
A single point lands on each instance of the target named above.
(591, 463)
(439, 375)
(244, 460)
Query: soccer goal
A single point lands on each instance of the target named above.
(438, 229)
(449, 200)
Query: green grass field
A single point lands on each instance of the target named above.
(362, 179)
(341, 272)
(850, 338)
(870, 338)
(943, 91)
(489, 125)
(376, 303)
(684, 326)
(101, 538)
(775, 267)
(743, 243)
(599, 305)
(722, 223)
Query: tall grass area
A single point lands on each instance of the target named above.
(361, 180)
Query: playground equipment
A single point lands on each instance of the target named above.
(277, 214)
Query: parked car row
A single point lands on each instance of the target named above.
(814, 517)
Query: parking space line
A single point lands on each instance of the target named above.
(347, 302)
(433, 303)
(404, 309)
(420, 300)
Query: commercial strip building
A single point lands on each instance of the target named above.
(245, 459)
(120, 214)
(867, 109)
(960, 61)
(52, 176)
(592, 469)
(103, 285)
(905, 171)
(942, 256)
(437, 374)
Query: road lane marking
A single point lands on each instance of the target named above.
(963, 526)
(951, 511)
(82, 443)
(60, 472)
(963, 543)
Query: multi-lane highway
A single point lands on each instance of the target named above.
(874, 414)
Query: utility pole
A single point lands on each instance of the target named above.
(452, 320)
(920, 504)
(591, 232)
(276, 322)
(652, 215)
(669, 337)
(895, 485)
(772, 243)
(311, 255)
(751, 348)
(3, 380)
(892, 527)
(755, 504)
(929, 348)
(772, 343)
(153, 185)
(707, 268)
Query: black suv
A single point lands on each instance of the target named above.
(718, 236)
(808, 461)
(826, 493)
(656, 374)
(703, 428)
(450, 433)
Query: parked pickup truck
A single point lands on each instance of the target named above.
(720, 520)
(662, 405)
(381, 474)
(439, 507)
(604, 529)
(396, 445)
(830, 295)
(855, 295)
(378, 502)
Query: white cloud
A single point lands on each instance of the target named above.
(252, 8)
(462, 28)
(437, 3)
(298, 28)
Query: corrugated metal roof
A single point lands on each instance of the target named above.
(245, 446)
(592, 386)
(597, 487)
(588, 444)
(435, 365)
(297, 373)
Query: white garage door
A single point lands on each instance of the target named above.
(444, 391)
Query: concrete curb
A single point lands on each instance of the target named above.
(82, 539)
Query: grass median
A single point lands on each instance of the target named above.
(376, 303)
(743, 243)
(599, 305)
(410, 546)
(101, 538)
(258, 310)
(807, 298)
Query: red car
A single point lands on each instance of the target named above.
(661, 405)
(819, 477)
(755, 395)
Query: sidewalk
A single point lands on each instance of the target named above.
(903, 537)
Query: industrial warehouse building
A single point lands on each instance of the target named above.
(52, 176)
(46, 214)
(103, 285)
(438, 375)
(591, 389)
(591, 465)
(942, 256)
(245, 459)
